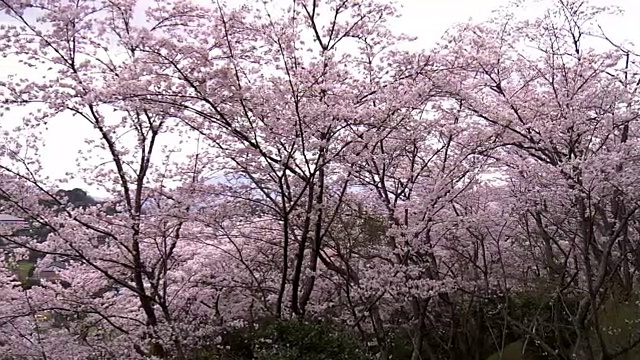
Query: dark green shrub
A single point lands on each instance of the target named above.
(294, 340)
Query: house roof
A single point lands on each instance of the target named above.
(7, 217)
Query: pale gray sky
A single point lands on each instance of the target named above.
(427, 19)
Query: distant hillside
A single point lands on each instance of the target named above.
(25, 268)
(76, 197)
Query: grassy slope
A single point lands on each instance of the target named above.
(621, 322)
(511, 352)
(22, 270)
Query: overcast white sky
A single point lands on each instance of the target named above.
(427, 19)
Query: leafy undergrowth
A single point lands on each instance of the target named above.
(620, 322)
(512, 351)
(24, 269)
(290, 340)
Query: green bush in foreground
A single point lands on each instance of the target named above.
(295, 340)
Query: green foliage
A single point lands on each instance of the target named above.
(374, 230)
(401, 347)
(24, 269)
(292, 340)
(620, 323)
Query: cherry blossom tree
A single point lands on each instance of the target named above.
(567, 115)
(270, 161)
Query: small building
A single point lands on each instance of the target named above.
(15, 225)
(50, 272)
(10, 220)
